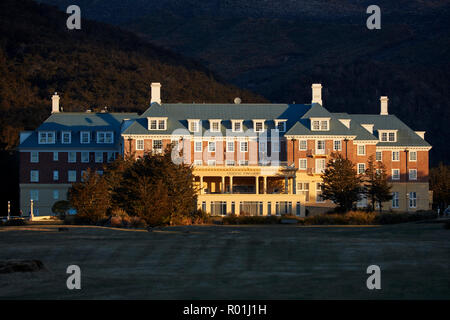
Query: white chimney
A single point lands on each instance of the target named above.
(384, 106)
(156, 92)
(316, 93)
(55, 103)
(420, 134)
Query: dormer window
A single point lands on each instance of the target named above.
(157, 123)
(46, 137)
(194, 125)
(236, 125)
(280, 125)
(214, 125)
(320, 124)
(105, 137)
(66, 137)
(258, 125)
(388, 135)
(85, 137)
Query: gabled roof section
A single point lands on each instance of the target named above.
(317, 111)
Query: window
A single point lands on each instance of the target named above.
(72, 176)
(412, 174)
(302, 164)
(55, 175)
(237, 125)
(303, 188)
(243, 162)
(99, 172)
(212, 146)
(34, 156)
(259, 126)
(99, 157)
(337, 145)
(324, 125)
(85, 157)
(157, 124)
(211, 162)
(281, 125)
(83, 175)
(394, 199)
(198, 146)
(361, 150)
(384, 136)
(316, 125)
(413, 156)
(55, 156)
(111, 156)
(378, 156)
(72, 157)
(391, 136)
(34, 175)
(412, 200)
(198, 162)
(244, 146)
(105, 137)
(194, 125)
(230, 163)
(55, 194)
(215, 126)
(66, 137)
(302, 145)
(320, 165)
(157, 145)
(388, 136)
(319, 197)
(395, 155)
(46, 137)
(361, 168)
(85, 137)
(140, 144)
(395, 174)
(34, 195)
(230, 146)
(320, 147)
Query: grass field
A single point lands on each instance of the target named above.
(230, 262)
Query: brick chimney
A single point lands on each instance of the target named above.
(384, 106)
(55, 103)
(156, 92)
(316, 93)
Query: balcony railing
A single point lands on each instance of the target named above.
(319, 152)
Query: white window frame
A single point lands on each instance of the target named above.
(196, 144)
(34, 156)
(358, 150)
(415, 158)
(340, 145)
(320, 170)
(320, 124)
(387, 133)
(102, 137)
(278, 122)
(412, 197)
(46, 137)
(213, 122)
(243, 163)
(198, 162)
(140, 144)
(324, 147)
(319, 193)
(395, 152)
(300, 145)
(55, 175)
(70, 159)
(241, 144)
(34, 195)
(210, 148)
(194, 125)
(72, 176)
(304, 161)
(414, 176)
(88, 133)
(395, 200)
(55, 194)
(230, 163)
(99, 157)
(34, 175)
(68, 134)
(154, 148)
(381, 155)
(233, 125)
(55, 156)
(110, 156)
(160, 124)
(359, 169)
(232, 144)
(256, 122)
(394, 176)
(211, 163)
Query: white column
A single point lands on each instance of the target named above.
(231, 184)
(265, 185)
(257, 184)
(201, 184)
(223, 184)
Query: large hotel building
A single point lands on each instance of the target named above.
(259, 159)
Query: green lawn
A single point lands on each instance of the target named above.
(230, 262)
